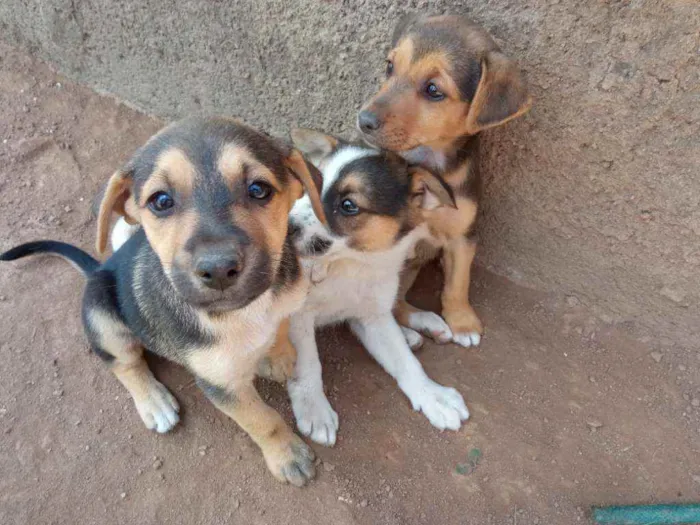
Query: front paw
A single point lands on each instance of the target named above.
(430, 324)
(158, 408)
(315, 416)
(291, 461)
(443, 406)
(279, 367)
(465, 325)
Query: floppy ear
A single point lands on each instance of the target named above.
(501, 95)
(313, 144)
(310, 178)
(116, 199)
(430, 191)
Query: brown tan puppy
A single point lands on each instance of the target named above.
(446, 81)
(206, 280)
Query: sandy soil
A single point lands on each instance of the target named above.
(569, 410)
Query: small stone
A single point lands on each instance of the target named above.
(122, 495)
(572, 301)
(2, 298)
(328, 467)
(162, 476)
(656, 356)
(594, 424)
(695, 402)
(77, 423)
(677, 296)
(236, 504)
(87, 447)
(591, 379)
(696, 478)
(364, 503)
(157, 464)
(203, 450)
(68, 209)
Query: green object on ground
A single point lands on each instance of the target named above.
(473, 459)
(648, 514)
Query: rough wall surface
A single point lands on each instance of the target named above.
(595, 193)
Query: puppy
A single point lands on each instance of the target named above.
(446, 81)
(376, 208)
(205, 280)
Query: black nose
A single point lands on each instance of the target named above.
(368, 121)
(293, 229)
(218, 269)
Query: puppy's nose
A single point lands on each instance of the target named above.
(368, 121)
(293, 229)
(218, 269)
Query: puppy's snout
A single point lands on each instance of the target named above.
(218, 267)
(293, 229)
(368, 121)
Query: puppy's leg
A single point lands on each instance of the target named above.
(457, 258)
(279, 362)
(443, 406)
(113, 342)
(287, 456)
(414, 320)
(314, 414)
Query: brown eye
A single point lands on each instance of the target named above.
(389, 68)
(259, 191)
(433, 92)
(160, 202)
(348, 207)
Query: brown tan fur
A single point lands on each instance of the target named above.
(234, 341)
(438, 50)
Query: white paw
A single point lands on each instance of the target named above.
(315, 416)
(413, 338)
(467, 339)
(443, 406)
(430, 324)
(159, 409)
(121, 233)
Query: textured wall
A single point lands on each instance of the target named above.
(595, 193)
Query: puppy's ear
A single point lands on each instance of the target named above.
(310, 179)
(429, 191)
(501, 95)
(118, 199)
(405, 23)
(313, 144)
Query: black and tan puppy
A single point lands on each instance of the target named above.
(446, 81)
(206, 280)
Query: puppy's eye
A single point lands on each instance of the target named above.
(347, 207)
(433, 92)
(389, 68)
(160, 202)
(259, 190)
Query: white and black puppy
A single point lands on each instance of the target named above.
(377, 209)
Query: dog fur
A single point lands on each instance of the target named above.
(204, 276)
(446, 81)
(376, 209)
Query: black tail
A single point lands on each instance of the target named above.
(78, 257)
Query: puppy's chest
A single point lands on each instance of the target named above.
(249, 331)
(345, 289)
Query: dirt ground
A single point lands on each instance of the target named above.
(569, 410)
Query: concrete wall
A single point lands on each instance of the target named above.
(595, 193)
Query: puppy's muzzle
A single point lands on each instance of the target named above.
(217, 266)
(368, 121)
